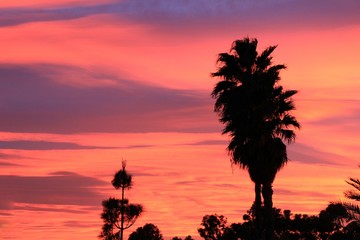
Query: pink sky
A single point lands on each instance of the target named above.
(88, 83)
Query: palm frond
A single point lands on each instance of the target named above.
(228, 66)
(290, 121)
(352, 195)
(264, 60)
(352, 207)
(288, 93)
(221, 87)
(274, 71)
(354, 182)
(285, 106)
(287, 135)
(353, 211)
(245, 50)
(276, 68)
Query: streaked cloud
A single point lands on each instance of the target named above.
(315, 194)
(48, 208)
(38, 100)
(298, 152)
(7, 164)
(8, 160)
(44, 145)
(60, 188)
(200, 12)
(210, 142)
(306, 154)
(80, 224)
(348, 119)
(9, 156)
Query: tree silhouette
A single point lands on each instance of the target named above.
(213, 227)
(119, 214)
(353, 209)
(256, 112)
(186, 238)
(329, 224)
(148, 232)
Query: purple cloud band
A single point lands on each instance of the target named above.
(37, 101)
(162, 12)
(44, 145)
(60, 188)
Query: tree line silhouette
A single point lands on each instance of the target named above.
(333, 223)
(339, 221)
(256, 112)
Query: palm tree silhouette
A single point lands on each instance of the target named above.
(352, 208)
(256, 113)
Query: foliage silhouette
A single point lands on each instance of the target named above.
(213, 227)
(119, 214)
(256, 112)
(353, 209)
(148, 232)
(328, 225)
(186, 238)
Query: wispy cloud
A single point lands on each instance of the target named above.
(7, 164)
(47, 208)
(43, 102)
(44, 145)
(298, 152)
(9, 156)
(313, 194)
(348, 119)
(60, 188)
(199, 12)
(80, 224)
(210, 142)
(305, 154)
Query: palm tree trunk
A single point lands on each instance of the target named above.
(267, 193)
(258, 228)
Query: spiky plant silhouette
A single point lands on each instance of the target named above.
(119, 214)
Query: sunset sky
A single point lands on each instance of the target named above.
(85, 84)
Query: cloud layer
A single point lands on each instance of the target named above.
(199, 12)
(40, 100)
(42, 145)
(59, 188)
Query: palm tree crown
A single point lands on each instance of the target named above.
(254, 108)
(256, 113)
